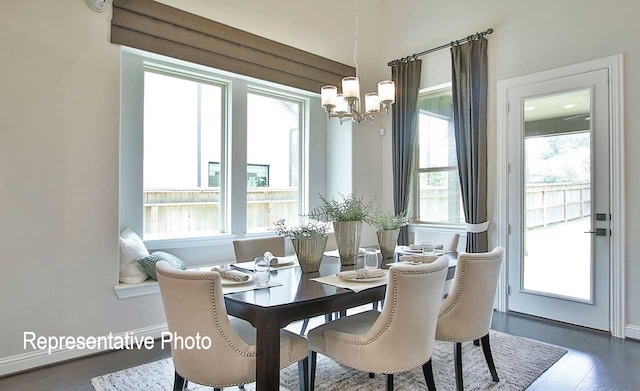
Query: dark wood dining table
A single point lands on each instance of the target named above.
(272, 309)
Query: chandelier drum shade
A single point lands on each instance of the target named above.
(347, 104)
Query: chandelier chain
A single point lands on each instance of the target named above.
(356, 28)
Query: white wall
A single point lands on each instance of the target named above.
(529, 37)
(59, 155)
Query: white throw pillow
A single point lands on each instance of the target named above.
(133, 274)
(132, 248)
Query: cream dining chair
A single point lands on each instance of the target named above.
(449, 241)
(396, 340)
(466, 313)
(246, 250)
(194, 304)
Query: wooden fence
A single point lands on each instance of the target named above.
(191, 211)
(546, 203)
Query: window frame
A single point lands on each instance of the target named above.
(416, 171)
(224, 85)
(233, 190)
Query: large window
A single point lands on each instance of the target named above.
(437, 187)
(184, 132)
(272, 141)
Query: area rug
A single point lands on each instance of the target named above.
(519, 362)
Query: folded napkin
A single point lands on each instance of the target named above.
(272, 260)
(427, 247)
(360, 274)
(418, 258)
(233, 275)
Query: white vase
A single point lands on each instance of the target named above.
(348, 239)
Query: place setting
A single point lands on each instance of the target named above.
(370, 276)
(234, 281)
(275, 262)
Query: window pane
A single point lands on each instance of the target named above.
(182, 145)
(435, 131)
(438, 188)
(440, 200)
(272, 161)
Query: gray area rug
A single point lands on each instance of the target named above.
(519, 362)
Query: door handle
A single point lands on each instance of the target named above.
(598, 232)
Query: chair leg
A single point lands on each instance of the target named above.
(313, 356)
(327, 318)
(375, 305)
(390, 382)
(178, 382)
(486, 348)
(371, 375)
(305, 324)
(303, 374)
(427, 369)
(457, 357)
(476, 342)
(343, 313)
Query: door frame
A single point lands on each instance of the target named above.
(614, 64)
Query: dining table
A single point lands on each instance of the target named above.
(298, 298)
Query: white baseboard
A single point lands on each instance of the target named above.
(632, 331)
(38, 358)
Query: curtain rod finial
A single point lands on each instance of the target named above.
(490, 31)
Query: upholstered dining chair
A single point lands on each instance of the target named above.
(466, 313)
(194, 305)
(246, 250)
(396, 340)
(449, 241)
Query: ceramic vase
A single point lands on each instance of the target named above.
(348, 235)
(387, 240)
(309, 252)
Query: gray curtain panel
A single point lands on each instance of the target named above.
(469, 84)
(405, 121)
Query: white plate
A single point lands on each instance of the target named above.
(365, 279)
(408, 250)
(226, 282)
(285, 261)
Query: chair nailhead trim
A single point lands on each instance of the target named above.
(215, 316)
(327, 334)
(459, 295)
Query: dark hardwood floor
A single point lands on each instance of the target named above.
(595, 361)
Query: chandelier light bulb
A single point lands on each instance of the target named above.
(329, 95)
(372, 102)
(351, 87)
(387, 91)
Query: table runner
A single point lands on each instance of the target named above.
(251, 265)
(249, 286)
(353, 286)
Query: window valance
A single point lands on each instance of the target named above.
(161, 29)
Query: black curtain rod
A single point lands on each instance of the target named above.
(448, 45)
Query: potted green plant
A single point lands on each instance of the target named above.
(347, 215)
(388, 227)
(309, 241)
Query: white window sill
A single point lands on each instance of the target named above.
(125, 291)
(204, 241)
(148, 287)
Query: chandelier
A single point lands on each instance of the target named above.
(346, 105)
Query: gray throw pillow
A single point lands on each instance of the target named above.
(149, 263)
